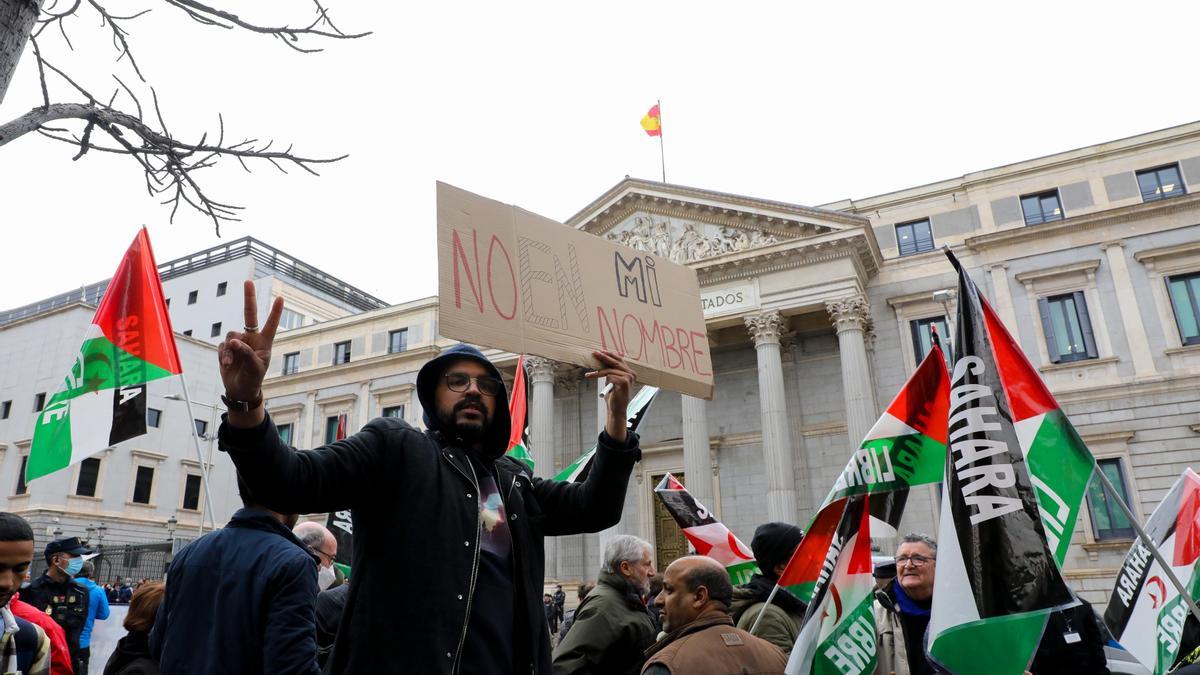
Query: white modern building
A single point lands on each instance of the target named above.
(139, 490)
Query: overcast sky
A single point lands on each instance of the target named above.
(539, 106)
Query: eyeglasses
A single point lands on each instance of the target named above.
(488, 386)
(914, 560)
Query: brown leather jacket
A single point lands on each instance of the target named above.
(712, 645)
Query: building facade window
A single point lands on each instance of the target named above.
(341, 353)
(221, 288)
(153, 417)
(397, 340)
(188, 333)
(1068, 328)
(192, 296)
(39, 401)
(1043, 207)
(201, 428)
(22, 488)
(291, 363)
(922, 335)
(216, 329)
(89, 476)
(191, 492)
(914, 237)
(1108, 519)
(394, 411)
(1185, 299)
(289, 320)
(335, 428)
(143, 484)
(1160, 183)
(168, 301)
(5, 410)
(285, 433)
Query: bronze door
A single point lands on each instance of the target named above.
(669, 542)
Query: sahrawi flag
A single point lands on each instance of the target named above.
(837, 636)
(997, 579)
(578, 470)
(706, 534)
(1146, 613)
(103, 397)
(906, 447)
(518, 441)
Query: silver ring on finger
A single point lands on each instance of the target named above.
(251, 329)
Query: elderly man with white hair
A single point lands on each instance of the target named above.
(612, 626)
(323, 545)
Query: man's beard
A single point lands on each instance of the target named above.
(469, 431)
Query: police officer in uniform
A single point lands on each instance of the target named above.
(56, 594)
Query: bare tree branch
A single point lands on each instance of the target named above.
(169, 165)
(211, 16)
(168, 162)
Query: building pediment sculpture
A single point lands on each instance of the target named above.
(692, 242)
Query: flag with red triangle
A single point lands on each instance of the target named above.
(102, 400)
(1146, 613)
(705, 533)
(518, 406)
(837, 636)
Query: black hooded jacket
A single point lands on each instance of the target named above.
(413, 497)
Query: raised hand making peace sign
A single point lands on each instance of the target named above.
(244, 358)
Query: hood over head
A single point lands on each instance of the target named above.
(427, 380)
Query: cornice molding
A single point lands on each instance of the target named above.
(1119, 215)
(1087, 266)
(599, 214)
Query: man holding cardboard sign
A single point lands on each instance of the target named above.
(448, 533)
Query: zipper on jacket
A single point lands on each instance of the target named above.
(462, 638)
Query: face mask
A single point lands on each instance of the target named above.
(325, 577)
(73, 566)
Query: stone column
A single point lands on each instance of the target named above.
(767, 330)
(1131, 317)
(364, 407)
(851, 316)
(306, 430)
(541, 430)
(697, 465)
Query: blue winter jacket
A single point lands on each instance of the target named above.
(97, 609)
(241, 600)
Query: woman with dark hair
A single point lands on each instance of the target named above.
(132, 655)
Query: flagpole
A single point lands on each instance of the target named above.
(762, 611)
(187, 398)
(1149, 543)
(662, 155)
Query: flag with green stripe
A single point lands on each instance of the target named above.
(707, 535)
(997, 578)
(638, 405)
(906, 447)
(518, 406)
(1146, 613)
(102, 400)
(837, 636)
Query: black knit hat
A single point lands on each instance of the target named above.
(774, 543)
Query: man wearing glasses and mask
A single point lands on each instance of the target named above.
(902, 609)
(448, 533)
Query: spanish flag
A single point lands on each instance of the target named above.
(652, 122)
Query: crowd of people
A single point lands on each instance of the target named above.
(448, 561)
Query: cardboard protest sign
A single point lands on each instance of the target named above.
(516, 281)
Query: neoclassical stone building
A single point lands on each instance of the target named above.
(816, 316)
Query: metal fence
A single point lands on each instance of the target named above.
(127, 561)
